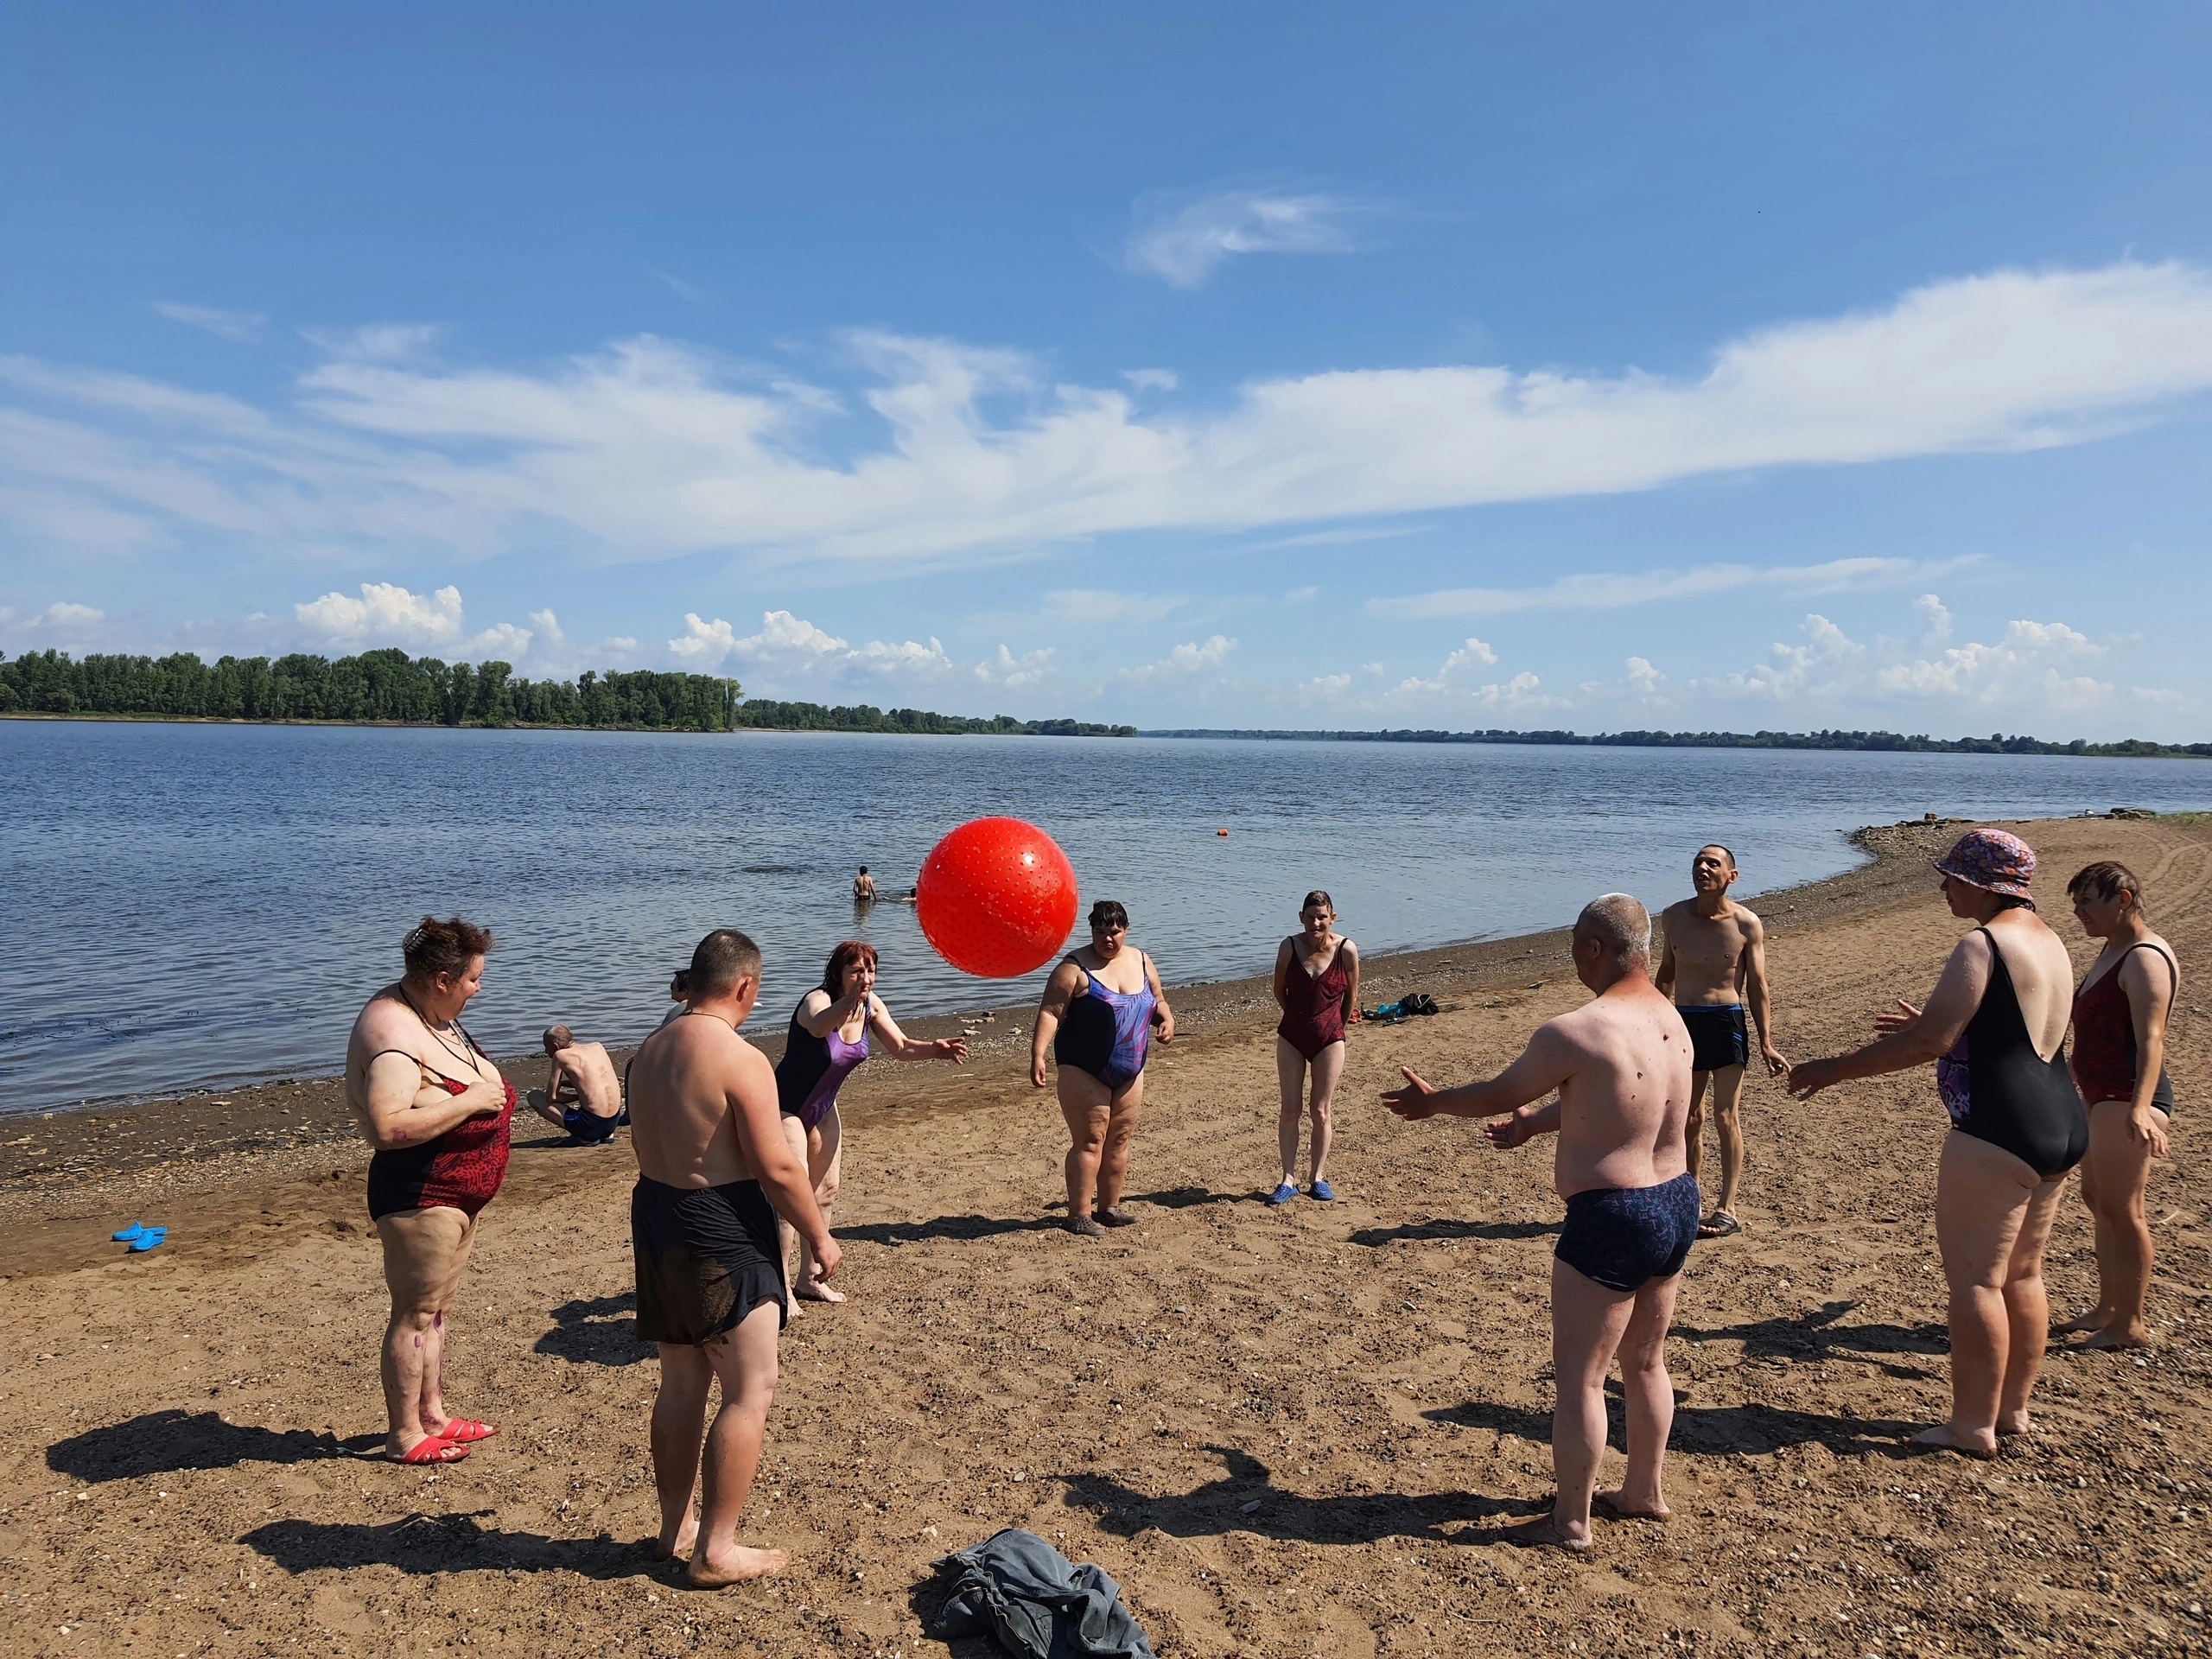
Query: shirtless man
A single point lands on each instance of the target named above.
(1621, 1064)
(863, 887)
(581, 1093)
(714, 1172)
(1715, 962)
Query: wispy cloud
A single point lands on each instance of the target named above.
(241, 327)
(1183, 241)
(1610, 591)
(682, 290)
(790, 653)
(1081, 606)
(651, 449)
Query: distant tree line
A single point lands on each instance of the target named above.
(1996, 743)
(390, 686)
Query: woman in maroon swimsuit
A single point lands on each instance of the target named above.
(2119, 1064)
(1317, 983)
(437, 1111)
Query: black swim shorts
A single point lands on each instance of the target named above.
(1624, 1237)
(706, 1257)
(1718, 1036)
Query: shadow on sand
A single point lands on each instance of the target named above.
(429, 1544)
(596, 1330)
(894, 1233)
(1220, 1506)
(1749, 1429)
(1416, 1231)
(164, 1442)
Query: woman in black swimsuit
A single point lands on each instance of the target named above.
(1996, 1028)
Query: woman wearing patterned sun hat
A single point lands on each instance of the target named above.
(1995, 1026)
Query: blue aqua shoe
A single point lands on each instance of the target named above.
(1323, 1191)
(1282, 1194)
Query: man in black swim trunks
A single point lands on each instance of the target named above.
(1621, 1064)
(1714, 966)
(714, 1171)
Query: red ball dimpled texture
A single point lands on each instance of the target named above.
(996, 897)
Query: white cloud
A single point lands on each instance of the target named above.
(385, 614)
(1608, 591)
(1198, 657)
(1184, 243)
(682, 290)
(1305, 595)
(376, 342)
(705, 643)
(1643, 680)
(1011, 673)
(549, 629)
(1936, 621)
(65, 616)
(651, 449)
(241, 327)
(1151, 379)
(2034, 670)
(1457, 672)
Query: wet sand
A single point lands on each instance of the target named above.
(1284, 1432)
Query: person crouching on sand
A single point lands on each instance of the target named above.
(581, 1093)
(1995, 1026)
(2119, 1064)
(1316, 985)
(1096, 1016)
(1714, 965)
(827, 1042)
(714, 1173)
(437, 1112)
(1621, 1064)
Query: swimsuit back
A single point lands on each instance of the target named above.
(2000, 1090)
(2104, 1036)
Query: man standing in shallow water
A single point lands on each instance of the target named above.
(1715, 962)
(714, 1172)
(1621, 1064)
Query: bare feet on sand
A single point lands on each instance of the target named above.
(734, 1564)
(816, 1291)
(1967, 1443)
(1545, 1532)
(1616, 1506)
(2013, 1427)
(668, 1549)
(2095, 1320)
(2121, 1333)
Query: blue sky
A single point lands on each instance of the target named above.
(1583, 366)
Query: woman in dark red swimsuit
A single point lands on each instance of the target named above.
(2119, 1064)
(1317, 983)
(437, 1111)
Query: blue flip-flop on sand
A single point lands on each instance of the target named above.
(128, 1233)
(1282, 1194)
(1324, 1191)
(148, 1239)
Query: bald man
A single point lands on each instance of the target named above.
(1621, 1064)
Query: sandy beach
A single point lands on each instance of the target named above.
(1283, 1433)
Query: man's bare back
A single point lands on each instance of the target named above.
(584, 1072)
(691, 1087)
(1625, 1094)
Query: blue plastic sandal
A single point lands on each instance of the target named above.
(148, 1239)
(1324, 1191)
(128, 1233)
(1282, 1194)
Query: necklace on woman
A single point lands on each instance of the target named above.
(467, 1057)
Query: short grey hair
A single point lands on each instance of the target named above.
(1621, 923)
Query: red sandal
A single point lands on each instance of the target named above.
(460, 1431)
(431, 1449)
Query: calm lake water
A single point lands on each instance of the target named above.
(206, 905)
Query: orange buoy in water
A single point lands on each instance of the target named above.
(996, 897)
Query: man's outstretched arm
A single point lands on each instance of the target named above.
(1544, 1064)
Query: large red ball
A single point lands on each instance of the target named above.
(996, 897)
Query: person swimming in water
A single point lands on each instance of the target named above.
(1316, 985)
(1098, 1015)
(1621, 1064)
(437, 1111)
(1995, 1026)
(863, 887)
(826, 1044)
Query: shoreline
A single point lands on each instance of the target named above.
(295, 1113)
